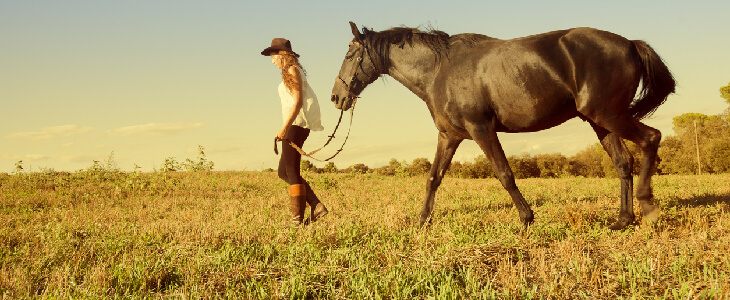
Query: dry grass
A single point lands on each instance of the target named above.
(225, 235)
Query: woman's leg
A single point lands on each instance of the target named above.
(290, 162)
(289, 171)
(317, 207)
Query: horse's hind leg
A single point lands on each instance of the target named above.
(647, 138)
(486, 137)
(624, 161)
(446, 148)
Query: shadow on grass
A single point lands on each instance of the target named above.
(701, 200)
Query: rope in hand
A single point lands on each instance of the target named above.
(352, 110)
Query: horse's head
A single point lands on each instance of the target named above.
(357, 71)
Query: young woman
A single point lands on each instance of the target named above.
(300, 110)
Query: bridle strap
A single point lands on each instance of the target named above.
(347, 87)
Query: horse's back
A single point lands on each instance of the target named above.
(535, 82)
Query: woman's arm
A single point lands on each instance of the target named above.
(296, 93)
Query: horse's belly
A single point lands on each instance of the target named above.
(535, 115)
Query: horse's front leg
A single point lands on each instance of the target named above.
(447, 145)
(485, 136)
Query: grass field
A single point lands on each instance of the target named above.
(99, 234)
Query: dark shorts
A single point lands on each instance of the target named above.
(290, 160)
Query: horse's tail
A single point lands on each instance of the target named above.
(656, 80)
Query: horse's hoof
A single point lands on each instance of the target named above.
(621, 223)
(425, 221)
(527, 219)
(651, 214)
(617, 226)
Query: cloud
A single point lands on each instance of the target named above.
(156, 129)
(27, 157)
(47, 133)
(78, 158)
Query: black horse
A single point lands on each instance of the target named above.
(476, 86)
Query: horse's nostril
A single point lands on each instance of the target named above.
(336, 101)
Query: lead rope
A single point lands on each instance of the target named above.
(352, 111)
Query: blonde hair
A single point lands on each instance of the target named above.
(289, 59)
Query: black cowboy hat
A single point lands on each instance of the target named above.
(279, 44)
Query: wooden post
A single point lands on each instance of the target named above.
(697, 146)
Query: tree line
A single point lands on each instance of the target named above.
(700, 144)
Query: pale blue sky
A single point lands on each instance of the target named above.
(154, 79)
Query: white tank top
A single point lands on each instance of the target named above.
(309, 116)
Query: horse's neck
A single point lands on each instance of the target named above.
(414, 67)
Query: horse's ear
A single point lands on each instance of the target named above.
(356, 32)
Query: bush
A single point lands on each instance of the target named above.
(419, 166)
(307, 166)
(329, 168)
(357, 169)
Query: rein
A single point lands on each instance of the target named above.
(342, 112)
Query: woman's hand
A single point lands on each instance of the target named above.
(282, 134)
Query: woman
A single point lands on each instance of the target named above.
(300, 110)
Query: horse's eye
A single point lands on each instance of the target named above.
(359, 59)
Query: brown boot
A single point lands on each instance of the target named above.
(318, 209)
(297, 196)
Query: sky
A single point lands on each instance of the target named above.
(142, 81)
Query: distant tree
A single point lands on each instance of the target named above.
(399, 168)
(480, 168)
(609, 168)
(725, 92)
(523, 166)
(307, 166)
(384, 170)
(685, 122)
(357, 169)
(551, 165)
(389, 169)
(454, 169)
(675, 159)
(719, 156)
(419, 166)
(574, 168)
(588, 162)
(694, 132)
(329, 168)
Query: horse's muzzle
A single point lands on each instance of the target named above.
(336, 101)
(343, 103)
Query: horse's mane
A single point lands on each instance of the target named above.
(438, 41)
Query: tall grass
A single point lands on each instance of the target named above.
(108, 234)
